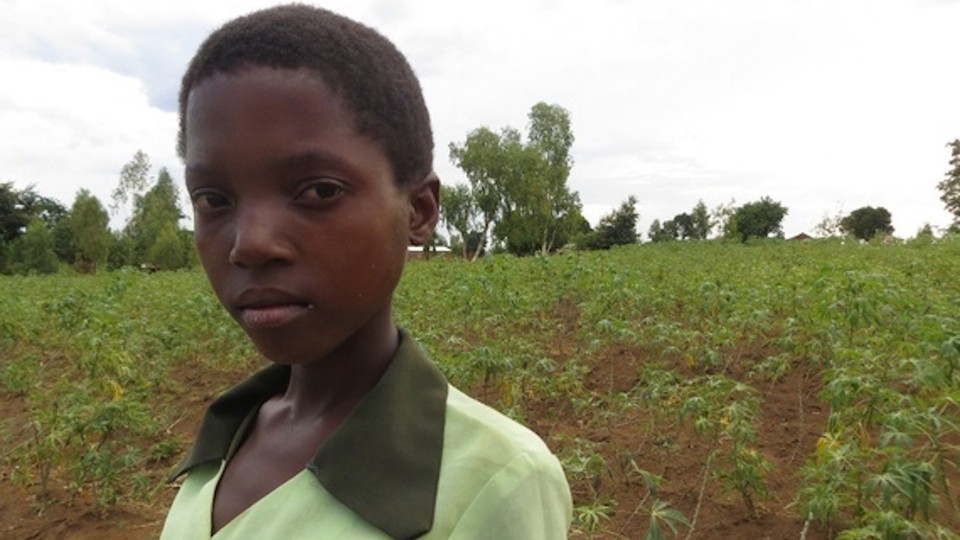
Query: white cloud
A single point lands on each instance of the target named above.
(816, 103)
(70, 126)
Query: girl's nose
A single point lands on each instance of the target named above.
(259, 239)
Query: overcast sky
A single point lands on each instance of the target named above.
(823, 105)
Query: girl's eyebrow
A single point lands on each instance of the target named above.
(292, 162)
(311, 158)
(198, 173)
(201, 169)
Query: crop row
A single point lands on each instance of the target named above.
(710, 331)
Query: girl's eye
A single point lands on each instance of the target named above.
(322, 192)
(209, 201)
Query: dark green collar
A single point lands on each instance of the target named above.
(383, 462)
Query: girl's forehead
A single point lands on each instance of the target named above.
(265, 118)
(266, 94)
(250, 88)
(310, 84)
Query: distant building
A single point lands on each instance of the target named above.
(802, 237)
(418, 253)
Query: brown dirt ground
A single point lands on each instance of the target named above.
(793, 419)
(786, 437)
(71, 516)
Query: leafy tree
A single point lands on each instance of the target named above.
(167, 252)
(5, 258)
(13, 217)
(154, 213)
(539, 213)
(759, 219)
(521, 189)
(616, 228)
(722, 216)
(701, 223)
(434, 241)
(924, 235)
(950, 185)
(34, 205)
(663, 232)
(64, 244)
(18, 208)
(550, 134)
(459, 212)
(469, 245)
(33, 251)
(867, 222)
(190, 255)
(481, 157)
(523, 204)
(91, 235)
(830, 225)
(122, 251)
(684, 225)
(134, 179)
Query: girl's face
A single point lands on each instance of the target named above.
(299, 223)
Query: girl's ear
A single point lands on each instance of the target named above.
(424, 208)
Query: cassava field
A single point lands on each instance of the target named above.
(705, 391)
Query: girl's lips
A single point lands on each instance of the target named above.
(271, 316)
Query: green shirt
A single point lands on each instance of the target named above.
(416, 458)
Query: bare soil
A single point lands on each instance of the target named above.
(793, 419)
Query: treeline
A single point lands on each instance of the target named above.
(758, 219)
(40, 235)
(516, 200)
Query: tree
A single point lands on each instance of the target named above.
(167, 252)
(13, 217)
(521, 189)
(470, 244)
(33, 250)
(551, 133)
(663, 232)
(433, 242)
(924, 234)
(190, 255)
(134, 179)
(18, 208)
(759, 219)
(64, 244)
(830, 225)
(459, 211)
(950, 185)
(684, 225)
(538, 212)
(122, 251)
(481, 157)
(5, 257)
(867, 222)
(154, 213)
(89, 226)
(722, 216)
(616, 228)
(47, 210)
(701, 224)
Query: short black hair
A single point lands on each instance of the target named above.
(364, 68)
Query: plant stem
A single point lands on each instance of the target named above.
(703, 486)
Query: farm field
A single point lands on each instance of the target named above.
(691, 390)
